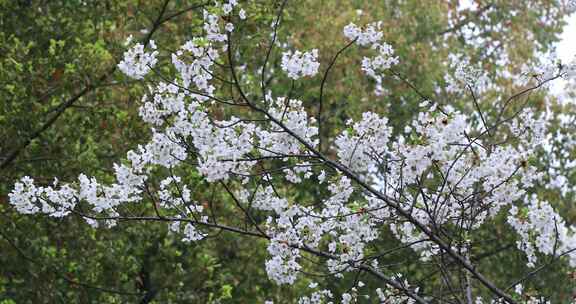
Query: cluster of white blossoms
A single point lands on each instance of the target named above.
(368, 136)
(273, 140)
(558, 148)
(194, 63)
(570, 69)
(353, 295)
(137, 62)
(541, 230)
(465, 76)
(298, 64)
(60, 200)
(27, 198)
(444, 171)
(571, 6)
(392, 295)
(317, 297)
(371, 37)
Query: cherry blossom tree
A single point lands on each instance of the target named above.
(434, 186)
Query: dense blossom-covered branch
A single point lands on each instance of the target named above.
(431, 185)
